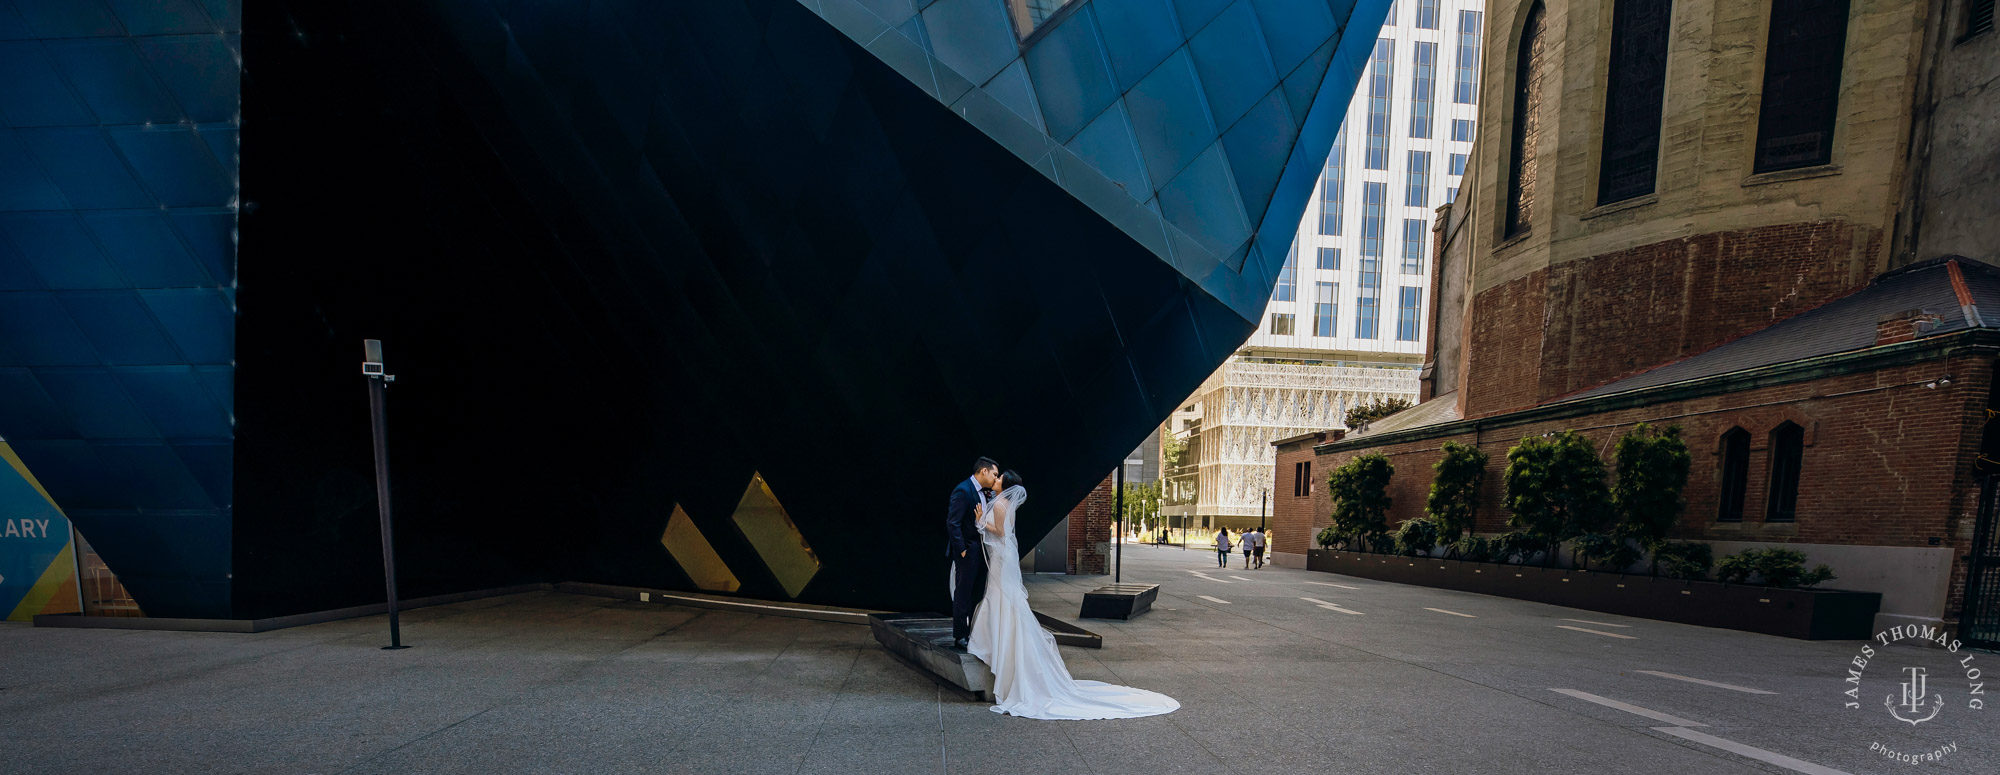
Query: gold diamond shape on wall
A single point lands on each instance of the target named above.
(771, 532)
(695, 556)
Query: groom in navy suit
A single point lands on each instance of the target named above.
(968, 557)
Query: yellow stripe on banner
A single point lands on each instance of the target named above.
(694, 554)
(61, 570)
(7, 453)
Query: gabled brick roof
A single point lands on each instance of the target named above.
(1845, 324)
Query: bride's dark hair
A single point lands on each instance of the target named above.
(1009, 479)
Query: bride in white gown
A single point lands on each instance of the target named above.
(1029, 678)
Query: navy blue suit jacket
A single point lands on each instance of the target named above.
(961, 525)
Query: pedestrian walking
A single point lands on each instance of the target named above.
(1222, 548)
(1257, 546)
(1245, 541)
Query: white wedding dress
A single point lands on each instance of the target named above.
(1029, 678)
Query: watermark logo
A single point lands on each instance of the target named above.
(1915, 700)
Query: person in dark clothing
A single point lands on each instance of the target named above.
(962, 548)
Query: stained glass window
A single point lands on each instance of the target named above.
(1801, 84)
(1635, 91)
(1521, 167)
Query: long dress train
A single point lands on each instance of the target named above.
(1029, 677)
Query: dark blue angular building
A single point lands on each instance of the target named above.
(718, 295)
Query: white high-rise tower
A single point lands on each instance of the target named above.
(1345, 324)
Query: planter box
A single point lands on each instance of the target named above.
(1812, 614)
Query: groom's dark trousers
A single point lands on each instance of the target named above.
(967, 556)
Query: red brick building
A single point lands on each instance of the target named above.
(1762, 279)
(1089, 529)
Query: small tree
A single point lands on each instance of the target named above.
(1362, 414)
(1416, 537)
(1360, 492)
(1652, 471)
(1555, 488)
(1454, 498)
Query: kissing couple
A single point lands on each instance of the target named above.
(990, 617)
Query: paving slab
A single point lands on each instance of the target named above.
(546, 682)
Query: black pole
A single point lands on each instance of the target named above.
(1118, 564)
(1261, 503)
(378, 384)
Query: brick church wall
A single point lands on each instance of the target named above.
(1887, 462)
(1584, 323)
(1089, 529)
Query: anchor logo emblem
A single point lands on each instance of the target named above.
(1914, 700)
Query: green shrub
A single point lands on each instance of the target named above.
(1652, 470)
(1362, 414)
(1328, 537)
(1555, 488)
(1360, 492)
(1611, 552)
(1516, 547)
(1454, 498)
(1473, 548)
(1417, 537)
(1773, 567)
(1382, 543)
(1686, 560)
(1736, 568)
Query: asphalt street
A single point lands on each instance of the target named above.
(1278, 671)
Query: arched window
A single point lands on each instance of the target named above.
(1735, 475)
(1635, 89)
(1521, 167)
(1801, 84)
(1788, 446)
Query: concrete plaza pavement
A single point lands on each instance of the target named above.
(1277, 670)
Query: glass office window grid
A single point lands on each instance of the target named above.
(1334, 186)
(1366, 305)
(1465, 87)
(1381, 86)
(1281, 323)
(1406, 314)
(1323, 273)
(1427, 14)
(1414, 230)
(1417, 190)
(1288, 276)
(1423, 75)
(1326, 307)
(1390, 19)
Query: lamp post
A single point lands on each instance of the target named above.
(1261, 501)
(378, 384)
(1118, 527)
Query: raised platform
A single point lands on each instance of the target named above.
(1119, 601)
(924, 641)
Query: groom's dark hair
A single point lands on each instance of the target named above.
(985, 463)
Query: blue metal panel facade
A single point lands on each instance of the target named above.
(627, 256)
(1232, 105)
(118, 126)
